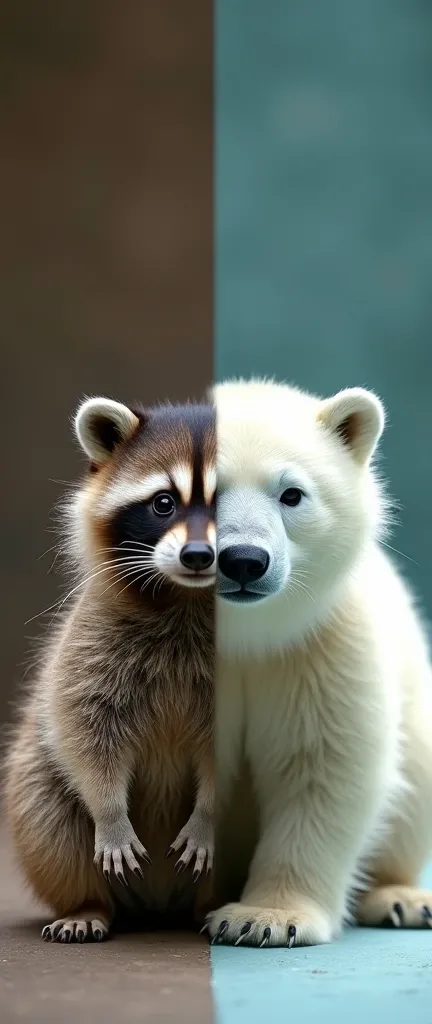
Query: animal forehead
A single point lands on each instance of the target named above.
(258, 453)
(175, 438)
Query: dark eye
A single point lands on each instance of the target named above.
(291, 497)
(164, 504)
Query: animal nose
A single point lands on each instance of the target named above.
(243, 563)
(197, 556)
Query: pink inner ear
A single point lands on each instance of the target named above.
(350, 428)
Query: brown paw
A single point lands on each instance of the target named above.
(197, 838)
(402, 906)
(81, 927)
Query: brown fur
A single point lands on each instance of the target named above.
(123, 704)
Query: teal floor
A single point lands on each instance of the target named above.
(366, 976)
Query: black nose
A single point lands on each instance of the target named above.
(243, 563)
(197, 556)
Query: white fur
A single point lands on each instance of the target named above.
(122, 491)
(166, 559)
(324, 688)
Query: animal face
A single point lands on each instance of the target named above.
(145, 518)
(296, 496)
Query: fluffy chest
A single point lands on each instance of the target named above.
(261, 701)
(302, 700)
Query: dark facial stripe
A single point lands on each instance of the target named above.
(171, 436)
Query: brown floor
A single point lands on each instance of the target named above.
(161, 978)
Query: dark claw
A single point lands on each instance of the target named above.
(107, 874)
(398, 910)
(427, 913)
(196, 875)
(180, 866)
(170, 852)
(121, 878)
(56, 930)
(291, 936)
(222, 930)
(97, 934)
(46, 933)
(138, 872)
(67, 935)
(243, 931)
(147, 859)
(80, 935)
(266, 937)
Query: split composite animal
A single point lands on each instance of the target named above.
(112, 762)
(323, 681)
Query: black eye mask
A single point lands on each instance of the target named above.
(141, 524)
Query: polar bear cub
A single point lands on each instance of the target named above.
(324, 687)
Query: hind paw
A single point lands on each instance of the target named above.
(402, 906)
(81, 927)
(302, 924)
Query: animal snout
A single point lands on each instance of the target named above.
(197, 556)
(243, 563)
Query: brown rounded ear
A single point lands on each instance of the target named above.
(357, 417)
(100, 425)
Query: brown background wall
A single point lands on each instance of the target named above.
(105, 247)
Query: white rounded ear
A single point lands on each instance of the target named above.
(357, 417)
(101, 424)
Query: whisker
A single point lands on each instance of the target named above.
(46, 552)
(155, 576)
(139, 543)
(132, 548)
(158, 583)
(103, 567)
(124, 575)
(162, 578)
(299, 586)
(56, 556)
(401, 553)
(140, 576)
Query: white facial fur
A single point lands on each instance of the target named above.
(166, 560)
(272, 437)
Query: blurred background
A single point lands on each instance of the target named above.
(106, 247)
(323, 229)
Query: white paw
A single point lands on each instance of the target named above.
(400, 905)
(304, 924)
(116, 845)
(197, 838)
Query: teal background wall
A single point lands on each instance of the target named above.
(323, 193)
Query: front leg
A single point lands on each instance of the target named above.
(313, 826)
(116, 844)
(197, 835)
(97, 752)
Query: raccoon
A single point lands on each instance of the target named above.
(111, 768)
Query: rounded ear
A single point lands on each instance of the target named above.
(357, 417)
(101, 424)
